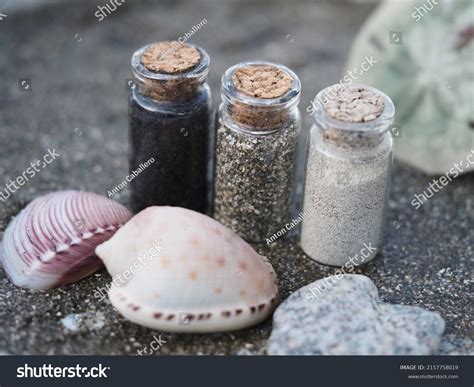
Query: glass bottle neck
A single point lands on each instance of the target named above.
(258, 115)
(254, 119)
(353, 135)
(170, 88)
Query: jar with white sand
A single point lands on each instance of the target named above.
(347, 175)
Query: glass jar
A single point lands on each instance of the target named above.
(255, 151)
(171, 134)
(347, 175)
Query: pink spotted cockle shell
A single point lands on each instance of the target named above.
(51, 242)
(177, 270)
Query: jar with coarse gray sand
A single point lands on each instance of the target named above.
(257, 135)
(347, 175)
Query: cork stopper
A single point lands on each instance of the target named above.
(260, 95)
(170, 72)
(353, 104)
(170, 57)
(261, 81)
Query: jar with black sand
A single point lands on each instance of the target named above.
(171, 122)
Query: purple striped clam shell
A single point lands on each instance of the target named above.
(51, 242)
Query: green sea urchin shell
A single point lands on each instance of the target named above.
(428, 71)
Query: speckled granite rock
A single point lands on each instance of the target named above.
(343, 315)
(453, 345)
